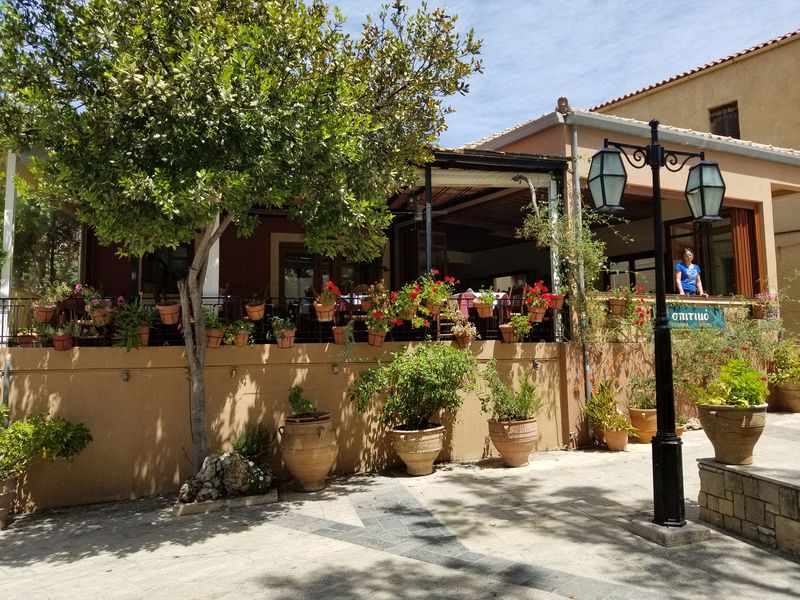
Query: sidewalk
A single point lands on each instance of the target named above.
(554, 529)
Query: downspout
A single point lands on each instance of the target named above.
(428, 220)
(578, 228)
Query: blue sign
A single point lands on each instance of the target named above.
(685, 316)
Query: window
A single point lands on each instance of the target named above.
(725, 120)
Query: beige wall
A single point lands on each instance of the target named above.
(142, 441)
(764, 83)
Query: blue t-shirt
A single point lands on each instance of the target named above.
(689, 277)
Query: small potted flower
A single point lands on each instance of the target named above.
(284, 331)
(343, 334)
(376, 296)
(325, 303)
(28, 337)
(404, 305)
(44, 308)
(215, 328)
(99, 309)
(484, 303)
(765, 306)
(557, 297)
(434, 291)
(621, 299)
(64, 335)
(642, 407)
(378, 322)
(610, 424)
(517, 328)
(132, 323)
(538, 299)
(238, 333)
(463, 331)
(169, 311)
(784, 377)
(732, 410)
(255, 308)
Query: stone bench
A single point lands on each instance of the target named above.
(756, 502)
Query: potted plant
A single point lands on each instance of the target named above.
(732, 410)
(378, 323)
(642, 407)
(415, 386)
(99, 309)
(28, 337)
(376, 295)
(326, 302)
(169, 311)
(434, 291)
(513, 427)
(64, 335)
(463, 331)
(609, 423)
(784, 377)
(621, 300)
(343, 335)
(132, 323)
(557, 298)
(308, 443)
(405, 303)
(255, 308)
(44, 308)
(215, 328)
(484, 303)
(26, 441)
(765, 306)
(238, 333)
(284, 331)
(538, 300)
(518, 327)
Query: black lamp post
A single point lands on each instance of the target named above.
(705, 190)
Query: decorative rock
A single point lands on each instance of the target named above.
(224, 476)
(236, 474)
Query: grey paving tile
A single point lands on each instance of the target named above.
(583, 588)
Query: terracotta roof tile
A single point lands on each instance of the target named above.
(715, 63)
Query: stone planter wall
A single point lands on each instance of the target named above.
(751, 504)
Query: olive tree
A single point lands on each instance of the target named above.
(164, 121)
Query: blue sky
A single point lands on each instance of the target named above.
(590, 51)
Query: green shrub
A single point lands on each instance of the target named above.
(786, 357)
(502, 402)
(254, 441)
(300, 404)
(738, 384)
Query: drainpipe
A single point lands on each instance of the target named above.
(576, 215)
(6, 386)
(555, 257)
(428, 220)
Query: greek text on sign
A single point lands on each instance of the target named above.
(695, 316)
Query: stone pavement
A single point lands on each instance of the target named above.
(557, 528)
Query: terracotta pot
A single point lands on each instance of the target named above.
(618, 306)
(558, 301)
(514, 440)
(508, 335)
(308, 448)
(44, 314)
(62, 342)
(758, 311)
(255, 312)
(144, 335)
(536, 313)
(285, 337)
(418, 448)
(644, 420)
(170, 313)
(679, 430)
(464, 340)
(733, 431)
(484, 310)
(367, 304)
(376, 337)
(240, 338)
(214, 336)
(338, 334)
(784, 397)
(410, 313)
(100, 316)
(8, 489)
(616, 440)
(433, 307)
(324, 311)
(27, 340)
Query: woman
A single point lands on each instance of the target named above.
(687, 275)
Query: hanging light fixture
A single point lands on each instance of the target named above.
(607, 179)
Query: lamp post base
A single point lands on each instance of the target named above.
(668, 480)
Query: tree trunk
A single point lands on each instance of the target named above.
(194, 331)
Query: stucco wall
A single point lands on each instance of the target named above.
(763, 83)
(142, 440)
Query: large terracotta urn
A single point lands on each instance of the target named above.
(514, 440)
(308, 448)
(645, 422)
(418, 448)
(784, 397)
(733, 430)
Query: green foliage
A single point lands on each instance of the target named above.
(68, 328)
(128, 321)
(253, 442)
(485, 295)
(53, 293)
(238, 326)
(520, 325)
(643, 392)
(738, 384)
(299, 403)
(212, 319)
(279, 323)
(602, 409)
(38, 438)
(417, 384)
(502, 402)
(786, 359)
